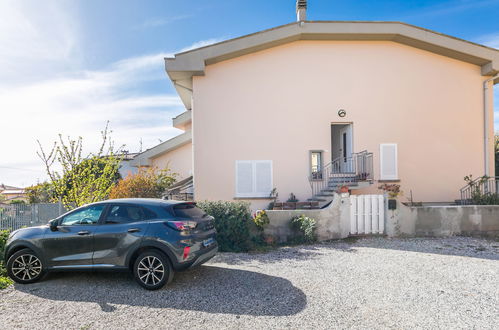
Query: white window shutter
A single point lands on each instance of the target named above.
(263, 178)
(244, 178)
(388, 161)
(253, 178)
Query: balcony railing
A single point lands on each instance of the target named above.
(343, 171)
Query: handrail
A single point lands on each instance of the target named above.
(342, 170)
(485, 186)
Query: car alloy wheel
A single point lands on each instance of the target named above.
(25, 267)
(152, 270)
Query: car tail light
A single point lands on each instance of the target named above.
(182, 225)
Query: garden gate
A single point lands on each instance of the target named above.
(367, 214)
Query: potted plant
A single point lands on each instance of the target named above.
(392, 190)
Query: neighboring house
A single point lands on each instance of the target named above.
(125, 165)
(310, 106)
(175, 154)
(10, 193)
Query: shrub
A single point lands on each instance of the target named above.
(4, 280)
(40, 193)
(4, 234)
(232, 222)
(146, 183)
(304, 229)
(478, 195)
(261, 219)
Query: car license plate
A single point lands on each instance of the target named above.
(208, 241)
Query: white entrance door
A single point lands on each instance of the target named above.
(346, 148)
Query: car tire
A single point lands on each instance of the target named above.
(25, 267)
(152, 270)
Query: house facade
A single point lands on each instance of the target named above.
(9, 194)
(308, 107)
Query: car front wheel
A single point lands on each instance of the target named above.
(152, 270)
(25, 267)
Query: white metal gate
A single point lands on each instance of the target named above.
(367, 214)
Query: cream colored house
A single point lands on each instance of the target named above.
(309, 106)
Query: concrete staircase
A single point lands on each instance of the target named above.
(335, 182)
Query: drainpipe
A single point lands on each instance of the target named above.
(486, 122)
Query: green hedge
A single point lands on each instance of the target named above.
(4, 280)
(233, 223)
(4, 234)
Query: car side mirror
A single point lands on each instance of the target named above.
(53, 224)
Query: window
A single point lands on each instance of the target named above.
(388, 161)
(124, 214)
(253, 178)
(316, 165)
(88, 216)
(148, 214)
(188, 211)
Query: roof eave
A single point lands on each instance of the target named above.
(145, 158)
(191, 63)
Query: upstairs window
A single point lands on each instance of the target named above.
(253, 178)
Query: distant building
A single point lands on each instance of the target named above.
(10, 193)
(125, 167)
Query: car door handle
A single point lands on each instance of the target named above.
(83, 232)
(133, 230)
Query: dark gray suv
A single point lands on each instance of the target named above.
(150, 237)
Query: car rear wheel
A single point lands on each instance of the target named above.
(25, 267)
(152, 270)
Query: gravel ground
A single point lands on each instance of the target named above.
(366, 284)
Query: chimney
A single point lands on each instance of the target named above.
(301, 10)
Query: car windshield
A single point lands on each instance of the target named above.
(188, 211)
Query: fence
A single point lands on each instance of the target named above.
(15, 216)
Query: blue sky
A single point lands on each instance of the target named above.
(68, 66)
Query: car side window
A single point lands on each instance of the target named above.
(87, 216)
(148, 214)
(124, 214)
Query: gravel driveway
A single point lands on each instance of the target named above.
(371, 283)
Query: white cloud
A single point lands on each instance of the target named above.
(36, 38)
(80, 106)
(202, 43)
(490, 40)
(46, 90)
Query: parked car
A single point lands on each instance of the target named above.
(150, 237)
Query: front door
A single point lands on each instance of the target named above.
(72, 244)
(122, 229)
(345, 133)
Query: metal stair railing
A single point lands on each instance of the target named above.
(485, 186)
(342, 171)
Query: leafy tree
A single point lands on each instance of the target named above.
(17, 201)
(81, 180)
(146, 183)
(40, 193)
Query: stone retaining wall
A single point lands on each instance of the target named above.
(333, 222)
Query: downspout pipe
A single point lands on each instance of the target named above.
(486, 122)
